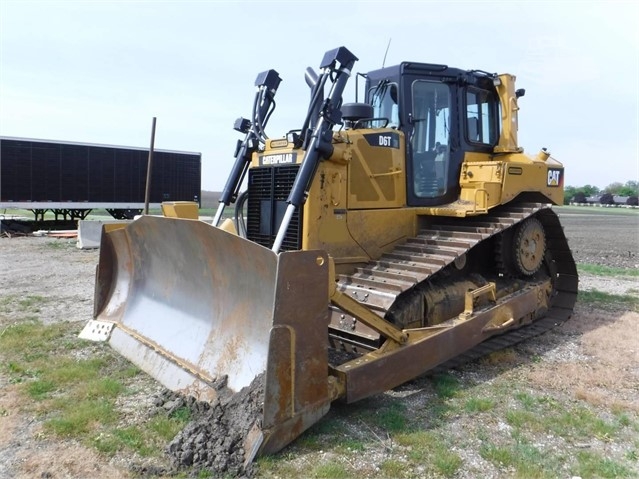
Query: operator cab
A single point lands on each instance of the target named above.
(444, 113)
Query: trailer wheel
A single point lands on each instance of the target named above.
(124, 214)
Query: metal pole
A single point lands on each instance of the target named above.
(147, 193)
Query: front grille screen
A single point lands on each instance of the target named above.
(269, 188)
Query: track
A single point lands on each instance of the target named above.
(379, 284)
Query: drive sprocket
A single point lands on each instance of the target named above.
(529, 246)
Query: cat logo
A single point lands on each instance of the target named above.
(554, 177)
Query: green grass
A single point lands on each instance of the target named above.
(68, 370)
(593, 465)
(30, 338)
(331, 428)
(61, 244)
(420, 441)
(527, 400)
(474, 404)
(599, 270)
(330, 470)
(348, 444)
(391, 418)
(27, 307)
(31, 303)
(623, 418)
(78, 419)
(138, 439)
(393, 468)
(446, 462)
(446, 385)
(430, 449)
(133, 437)
(580, 422)
(40, 389)
(74, 397)
(518, 418)
(588, 210)
(542, 441)
(596, 297)
(279, 466)
(543, 414)
(527, 460)
(204, 474)
(313, 438)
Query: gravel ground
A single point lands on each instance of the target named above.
(581, 357)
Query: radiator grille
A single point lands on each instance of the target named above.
(269, 188)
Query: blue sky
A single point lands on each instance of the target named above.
(99, 71)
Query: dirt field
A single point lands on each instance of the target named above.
(593, 360)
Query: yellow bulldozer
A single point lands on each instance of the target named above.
(383, 239)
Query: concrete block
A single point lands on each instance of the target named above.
(90, 232)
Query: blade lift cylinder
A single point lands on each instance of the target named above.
(267, 83)
(320, 143)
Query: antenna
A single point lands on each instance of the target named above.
(387, 47)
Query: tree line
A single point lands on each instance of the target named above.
(577, 193)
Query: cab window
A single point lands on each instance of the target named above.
(384, 101)
(430, 138)
(481, 124)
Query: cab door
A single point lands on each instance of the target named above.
(434, 156)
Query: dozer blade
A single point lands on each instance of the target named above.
(206, 312)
